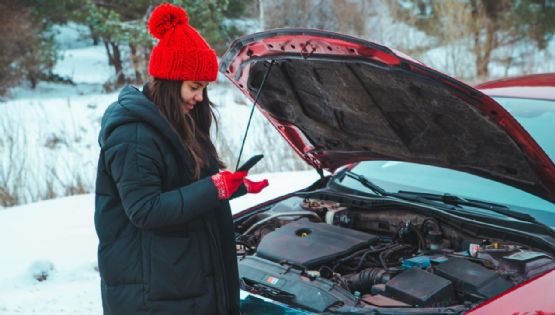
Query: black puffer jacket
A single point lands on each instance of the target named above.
(166, 243)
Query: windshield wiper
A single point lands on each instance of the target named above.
(459, 201)
(365, 182)
(450, 200)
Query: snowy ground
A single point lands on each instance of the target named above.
(52, 149)
(58, 237)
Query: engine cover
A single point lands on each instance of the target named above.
(287, 286)
(311, 244)
(473, 279)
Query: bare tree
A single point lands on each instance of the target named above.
(487, 25)
(351, 16)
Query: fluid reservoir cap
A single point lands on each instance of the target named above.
(303, 232)
(418, 262)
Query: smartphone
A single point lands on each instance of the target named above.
(250, 163)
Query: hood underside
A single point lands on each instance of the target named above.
(337, 99)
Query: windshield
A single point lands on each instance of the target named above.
(536, 116)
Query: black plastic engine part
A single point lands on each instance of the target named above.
(420, 288)
(311, 244)
(364, 280)
(289, 286)
(382, 301)
(528, 263)
(471, 279)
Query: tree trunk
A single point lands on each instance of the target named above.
(108, 52)
(118, 65)
(483, 47)
(136, 63)
(94, 36)
(489, 44)
(33, 80)
(146, 57)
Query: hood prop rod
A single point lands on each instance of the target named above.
(252, 111)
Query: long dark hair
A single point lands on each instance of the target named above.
(194, 127)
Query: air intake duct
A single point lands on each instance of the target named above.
(364, 280)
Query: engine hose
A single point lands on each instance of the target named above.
(364, 280)
(365, 253)
(385, 254)
(370, 251)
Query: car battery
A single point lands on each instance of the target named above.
(472, 280)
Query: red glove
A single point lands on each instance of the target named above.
(227, 183)
(255, 187)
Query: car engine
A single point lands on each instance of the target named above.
(321, 255)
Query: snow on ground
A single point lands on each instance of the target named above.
(55, 137)
(52, 141)
(80, 60)
(61, 233)
(53, 149)
(75, 60)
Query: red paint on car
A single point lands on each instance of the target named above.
(535, 296)
(535, 86)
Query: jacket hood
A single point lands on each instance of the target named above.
(133, 106)
(337, 99)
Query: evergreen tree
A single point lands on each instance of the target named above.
(121, 26)
(105, 24)
(29, 51)
(207, 17)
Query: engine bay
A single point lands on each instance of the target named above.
(329, 256)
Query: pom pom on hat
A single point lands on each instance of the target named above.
(181, 54)
(166, 17)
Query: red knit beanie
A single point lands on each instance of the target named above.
(181, 54)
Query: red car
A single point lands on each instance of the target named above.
(441, 198)
(529, 99)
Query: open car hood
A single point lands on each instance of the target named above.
(338, 99)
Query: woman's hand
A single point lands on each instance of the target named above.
(255, 187)
(227, 183)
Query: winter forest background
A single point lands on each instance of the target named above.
(63, 62)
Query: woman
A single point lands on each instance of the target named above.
(166, 238)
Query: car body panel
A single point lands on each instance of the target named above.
(535, 86)
(534, 296)
(488, 142)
